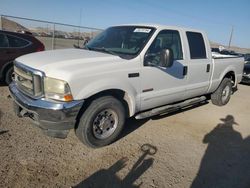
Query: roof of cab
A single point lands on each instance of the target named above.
(159, 26)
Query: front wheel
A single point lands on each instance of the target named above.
(102, 122)
(223, 93)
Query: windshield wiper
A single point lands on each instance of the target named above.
(102, 49)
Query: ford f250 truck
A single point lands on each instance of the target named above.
(127, 70)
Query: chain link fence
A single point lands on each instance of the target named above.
(53, 35)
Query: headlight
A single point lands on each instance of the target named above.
(57, 89)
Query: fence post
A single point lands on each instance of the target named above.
(53, 38)
(1, 23)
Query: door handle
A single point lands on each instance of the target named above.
(208, 67)
(185, 70)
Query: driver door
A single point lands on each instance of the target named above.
(161, 85)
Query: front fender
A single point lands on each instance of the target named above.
(92, 88)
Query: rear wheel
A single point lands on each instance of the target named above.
(223, 93)
(9, 75)
(102, 122)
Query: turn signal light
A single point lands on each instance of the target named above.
(68, 98)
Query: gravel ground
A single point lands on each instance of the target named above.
(206, 146)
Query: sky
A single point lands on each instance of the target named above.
(215, 17)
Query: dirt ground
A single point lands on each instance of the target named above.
(207, 146)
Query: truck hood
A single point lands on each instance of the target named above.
(60, 63)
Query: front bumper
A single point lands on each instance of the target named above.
(54, 118)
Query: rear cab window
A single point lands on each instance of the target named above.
(196, 45)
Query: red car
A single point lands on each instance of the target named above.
(13, 45)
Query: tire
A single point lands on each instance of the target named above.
(8, 75)
(102, 122)
(223, 93)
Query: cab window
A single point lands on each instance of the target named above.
(196, 45)
(166, 39)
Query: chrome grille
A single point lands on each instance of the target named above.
(28, 80)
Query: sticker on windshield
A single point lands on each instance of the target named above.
(142, 30)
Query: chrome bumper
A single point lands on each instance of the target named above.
(54, 118)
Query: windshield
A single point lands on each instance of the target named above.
(125, 41)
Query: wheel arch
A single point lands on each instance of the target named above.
(5, 68)
(124, 97)
(230, 73)
(118, 94)
(120, 89)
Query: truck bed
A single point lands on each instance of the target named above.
(222, 64)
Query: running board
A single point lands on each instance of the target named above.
(170, 108)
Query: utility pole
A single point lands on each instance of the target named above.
(231, 36)
(53, 37)
(79, 27)
(1, 23)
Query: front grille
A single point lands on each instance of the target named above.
(28, 80)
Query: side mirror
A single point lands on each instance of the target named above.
(167, 57)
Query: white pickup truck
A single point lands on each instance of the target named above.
(128, 70)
